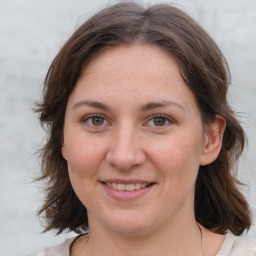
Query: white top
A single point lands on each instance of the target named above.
(232, 246)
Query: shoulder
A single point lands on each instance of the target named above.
(236, 245)
(58, 250)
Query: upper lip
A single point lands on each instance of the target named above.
(130, 181)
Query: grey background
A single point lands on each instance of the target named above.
(31, 33)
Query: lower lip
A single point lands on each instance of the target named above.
(126, 195)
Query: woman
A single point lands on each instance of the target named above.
(142, 141)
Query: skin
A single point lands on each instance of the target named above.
(147, 128)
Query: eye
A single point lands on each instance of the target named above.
(95, 120)
(159, 120)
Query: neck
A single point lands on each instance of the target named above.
(179, 239)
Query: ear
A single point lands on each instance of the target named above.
(213, 140)
(63, 151)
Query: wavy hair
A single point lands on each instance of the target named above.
(219, 204)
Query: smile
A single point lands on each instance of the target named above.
(126, 187)
(127, 190)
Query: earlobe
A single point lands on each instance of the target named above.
(63, 151)
(213, 140)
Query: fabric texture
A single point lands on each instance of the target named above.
(60, 250)
(237, 246)
(232, 246)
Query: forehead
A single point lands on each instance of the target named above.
(144, 72)
(140, 53)
(140, 62)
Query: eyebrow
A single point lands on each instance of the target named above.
(153, 105)
(147, 107)
(91, 103)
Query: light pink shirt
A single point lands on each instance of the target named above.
(232, 246)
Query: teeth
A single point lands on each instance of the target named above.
(130, 187)
(126, 187)
(137, 186)
(121, 187)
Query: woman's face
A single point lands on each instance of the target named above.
(134, 140)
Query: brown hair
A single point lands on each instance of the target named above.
(219, 205)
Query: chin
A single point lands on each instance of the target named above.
(132, 230)
(131, 225)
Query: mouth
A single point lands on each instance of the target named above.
(127, 187)
(127, 190)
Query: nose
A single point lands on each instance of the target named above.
(125, 150)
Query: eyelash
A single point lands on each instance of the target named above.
(90, 117)
(151, 118)
(160, 116)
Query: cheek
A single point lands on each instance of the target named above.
(178, 155)
(84, 157)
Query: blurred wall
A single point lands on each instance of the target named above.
(31, 33)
